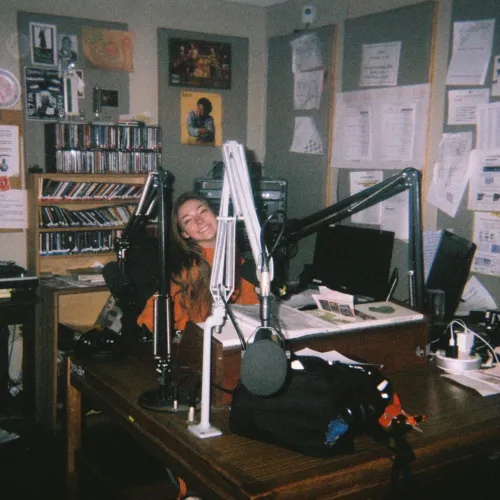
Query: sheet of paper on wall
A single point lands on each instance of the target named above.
(484, 184)
(306, 138)
(9, 150)
(451, 172)
(462, 105)
(306, 53)
(360, 181)
(359, 141)
(398, 132)
(395, 215)
(495, 82)
(486, 236)
(471, 52)
(13, 213)
(383, 128)
(308, 87)
(488, 126)
(475, 297)
(380, 64)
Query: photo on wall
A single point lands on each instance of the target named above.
(195, 63)
(43, 42)
(201, 119)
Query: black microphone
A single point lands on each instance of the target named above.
(264, 366)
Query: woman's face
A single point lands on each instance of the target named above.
(197, 221)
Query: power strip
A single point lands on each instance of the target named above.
(464, 363)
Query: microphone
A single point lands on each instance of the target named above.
(265, 365)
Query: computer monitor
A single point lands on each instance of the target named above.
(354, 260)
(450, 269)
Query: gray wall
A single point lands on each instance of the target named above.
(189, 162)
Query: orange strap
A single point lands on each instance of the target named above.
(393, 411)
(182, 488)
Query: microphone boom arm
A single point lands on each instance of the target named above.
(408, 179)
(236, 187)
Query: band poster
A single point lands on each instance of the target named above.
(44, 94)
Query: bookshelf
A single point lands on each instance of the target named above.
(94, 178)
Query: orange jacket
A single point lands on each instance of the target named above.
(244, 295)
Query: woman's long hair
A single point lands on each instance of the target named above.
(189, 268)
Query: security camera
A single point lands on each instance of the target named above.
(308, 14)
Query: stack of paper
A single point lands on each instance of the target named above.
(87, 274)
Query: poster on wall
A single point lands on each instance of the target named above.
(9, 150)
(196, 63)
(486, 236)
(201, 119)
(44, 94)
(109, 49)
(43, 42)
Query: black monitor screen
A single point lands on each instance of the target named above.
(450, 269)
(354, 260)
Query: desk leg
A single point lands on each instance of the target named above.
(73, 419)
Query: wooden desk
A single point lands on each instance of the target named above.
(21, 311)
(76, 306)
(461, 425)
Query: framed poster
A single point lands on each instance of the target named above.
(196, 63)
(43, 42)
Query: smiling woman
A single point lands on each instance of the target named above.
(194, 233)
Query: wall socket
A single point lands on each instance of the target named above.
(308, 14)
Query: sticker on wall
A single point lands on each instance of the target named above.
(201, 119)
(109, 49)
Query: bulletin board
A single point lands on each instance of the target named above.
(92, 76)
(306, 173)
(463, 222)
(14, 118)
(413, 26)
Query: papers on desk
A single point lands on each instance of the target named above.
(297, 324)
(485, 381)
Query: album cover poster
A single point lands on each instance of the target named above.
(44, 94)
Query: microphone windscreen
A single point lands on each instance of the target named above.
(264, 368)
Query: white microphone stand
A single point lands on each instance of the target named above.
(237, 187)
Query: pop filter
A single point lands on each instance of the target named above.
(264, 366)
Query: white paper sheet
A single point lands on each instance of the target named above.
(308, 87)
(451, 172)
(395, 215)
(487, 238)
(398, 132)
(360, 181)
(306, 138)
(9, 150)
(13, 213)
(462, 105)
(488, 126)
(358, 145)
(472, 43)
(383, 128)
(484, 186)
(475, 297)
(306, 53)
(380, 64)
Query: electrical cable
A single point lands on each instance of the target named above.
(467, 329)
